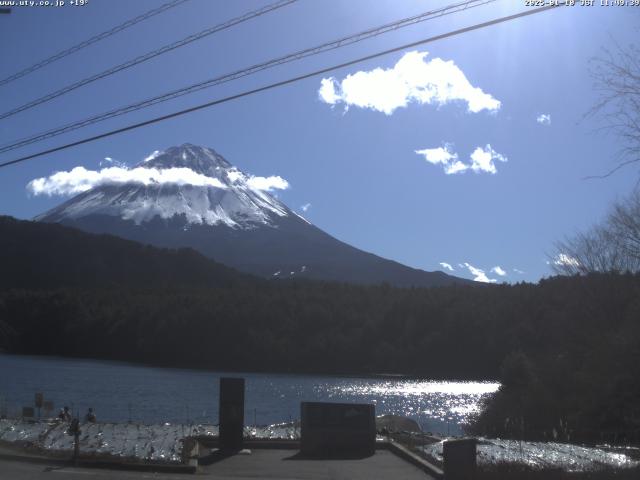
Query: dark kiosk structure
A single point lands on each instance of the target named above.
(231, 413)
(337, 429)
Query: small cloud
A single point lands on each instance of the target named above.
(443, 156)
(482, 159)
(305, 207)
(274, 182)
(499, 271)
(152, 155)
(233, 174)
(410, 80)
(563, 259)
(446, 266)
(478, 274)
(544, 119)
(80, 179)
(327, 91)
(519, 272)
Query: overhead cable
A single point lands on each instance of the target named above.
(271, 86)
(96, 38)
(298, 55)
(148, 56)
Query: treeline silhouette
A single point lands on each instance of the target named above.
(567, 349)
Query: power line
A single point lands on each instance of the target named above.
(332, 45)
(92, 40)
(148, 56)
(271, 86)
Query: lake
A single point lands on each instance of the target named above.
(121, 392)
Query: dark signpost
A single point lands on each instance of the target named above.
(27, 412)
(459, 459)
(39, 400)
(337, 429)
(231, 413)
(48, 407)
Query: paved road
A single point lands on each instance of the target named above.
(267, 464)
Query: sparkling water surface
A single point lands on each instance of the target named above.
(121, 392)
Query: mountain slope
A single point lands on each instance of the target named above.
(228, 218)
(43, 256)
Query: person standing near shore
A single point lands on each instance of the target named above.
(64, 414)
(90, 417)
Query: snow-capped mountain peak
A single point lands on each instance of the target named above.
(233, 199)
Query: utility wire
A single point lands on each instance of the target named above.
(148, 56)
(271, 86)
(332, 45)
(92, 40)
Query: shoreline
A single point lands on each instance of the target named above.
(222, 372)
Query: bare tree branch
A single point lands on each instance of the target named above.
(616, 76)
(611, 246)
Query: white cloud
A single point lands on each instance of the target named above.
(274, 182)
(412, 79)
(482, 159)
(80, 179)
(499, 271)
(327, 92)
(447, 266)
(233, 174)
(444, 156)
(152, 155)
(305, 207)
(544, 119)
(567, 260)
(478, 274)
(518, 271)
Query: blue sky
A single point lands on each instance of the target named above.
(356, 169)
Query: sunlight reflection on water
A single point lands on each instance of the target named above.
(438, 406)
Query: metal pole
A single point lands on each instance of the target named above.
(76, 448)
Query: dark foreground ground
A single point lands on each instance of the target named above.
(267, 464)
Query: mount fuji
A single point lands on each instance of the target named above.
(227, 217)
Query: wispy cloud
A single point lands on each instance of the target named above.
(274, 182)
(544, 119)
(482, 159)
(305, 207)
(498, 270)
(444, 156)
(80, 179)
(518, 271)
(411, 80)
(446, 266)
(479, 275)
